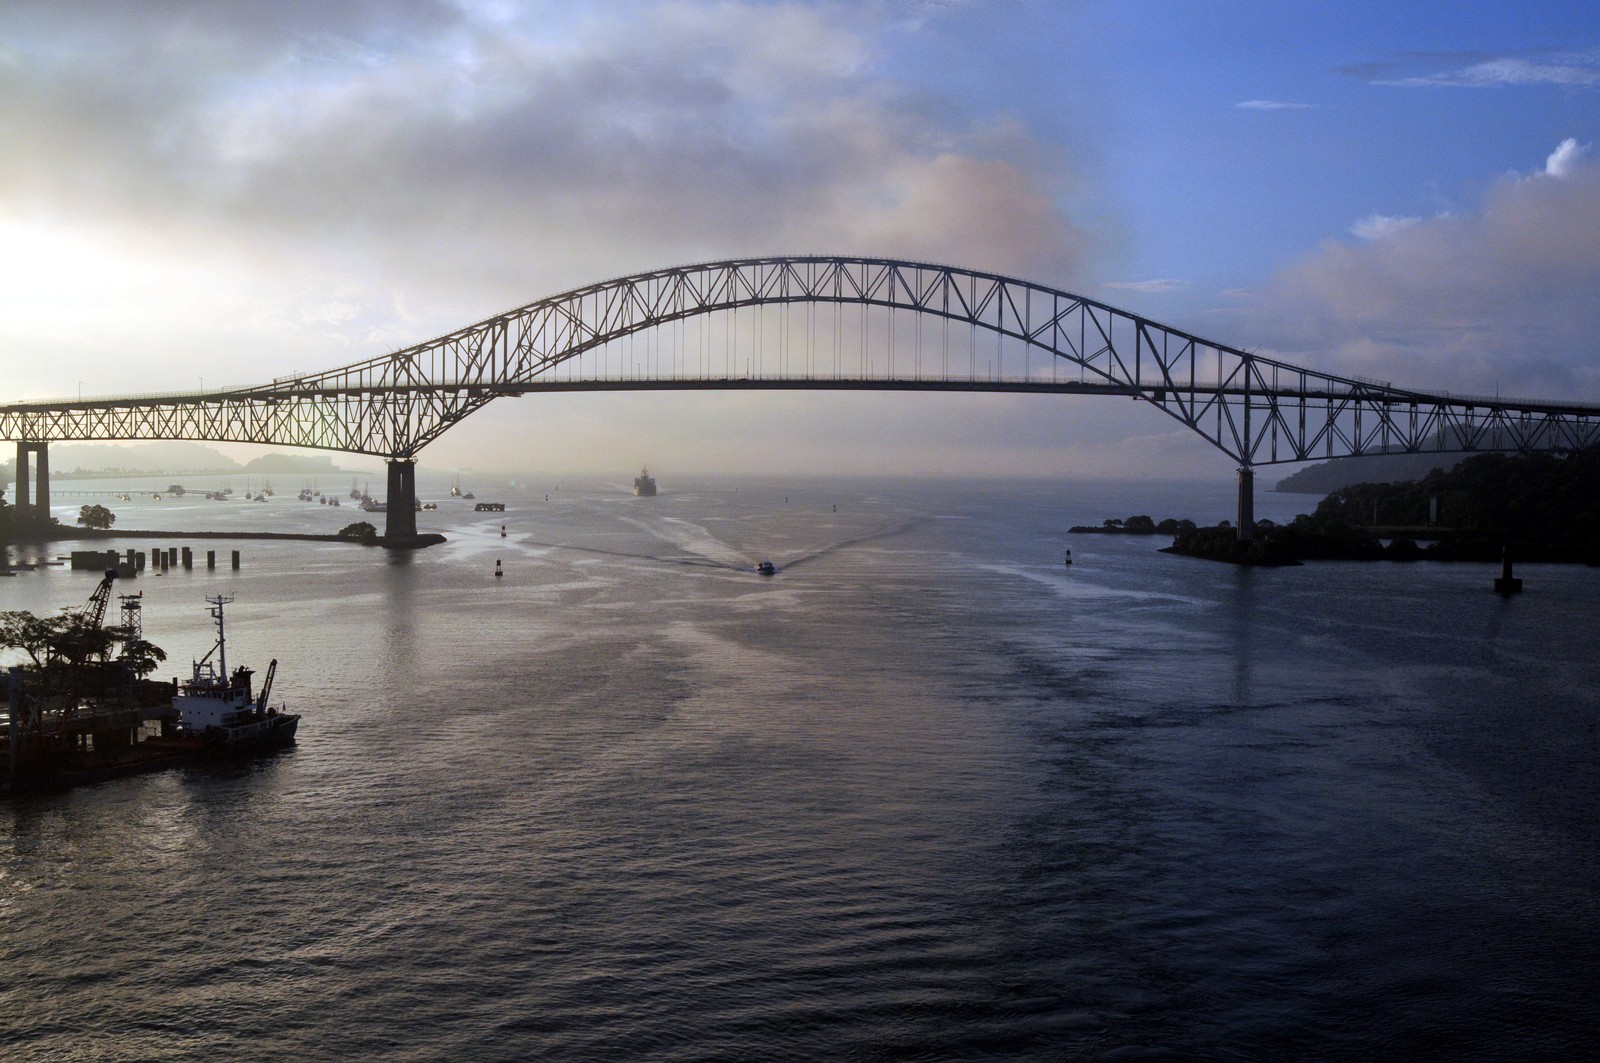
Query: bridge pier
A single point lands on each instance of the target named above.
(1247, 504)
(400, 518)
(33, 500)
(21, 501)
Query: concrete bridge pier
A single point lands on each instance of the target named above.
(33, 500)
(1247, 504)
(400, 518)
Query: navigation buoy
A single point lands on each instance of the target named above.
(497, 572)
(502, 531)
(1507, 584)
(1069, 558)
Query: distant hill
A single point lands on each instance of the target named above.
(299, 463)
(1528, 498)
(1328, 476)
(163, 459)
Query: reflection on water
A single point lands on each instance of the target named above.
(1241, 610)
(925, 793)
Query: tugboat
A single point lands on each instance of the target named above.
(109, 722)
(644, 485)
(218, 709)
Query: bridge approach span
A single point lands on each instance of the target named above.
(817, 322)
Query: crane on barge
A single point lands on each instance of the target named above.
(84, 639)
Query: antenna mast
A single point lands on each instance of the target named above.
(222, 640)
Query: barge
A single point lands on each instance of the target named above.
(108, 723)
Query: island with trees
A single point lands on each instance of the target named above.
(1539, 507)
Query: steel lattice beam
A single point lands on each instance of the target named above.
(1257, 410)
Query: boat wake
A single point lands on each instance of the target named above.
(695, 562)
(732, 560)
(692, 539)
(844, 544)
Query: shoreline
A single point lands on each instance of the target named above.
(71, 534)
(1381, 543)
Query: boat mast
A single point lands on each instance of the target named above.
(222, 643)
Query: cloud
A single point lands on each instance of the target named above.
(1568, 70)
(1564, 160)
(1498, 298)
(1378, 226)
(491, 154)
(1272, 105)
(245, 190)
(1152, 287)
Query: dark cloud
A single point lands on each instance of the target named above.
(270, 188)
(420, 128)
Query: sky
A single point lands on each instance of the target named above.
(197, 194)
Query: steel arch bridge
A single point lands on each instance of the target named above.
(868, 324)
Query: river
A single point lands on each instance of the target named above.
(925, 793)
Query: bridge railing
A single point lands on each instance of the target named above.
(87, 401)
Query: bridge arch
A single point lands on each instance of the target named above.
(1255, 409)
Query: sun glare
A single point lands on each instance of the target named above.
(49, 270)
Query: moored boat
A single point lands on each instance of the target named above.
(109, 723)
(218, 708)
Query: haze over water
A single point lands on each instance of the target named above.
(927, 793)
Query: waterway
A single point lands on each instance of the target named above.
(926, 793)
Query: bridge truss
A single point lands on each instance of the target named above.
(824, 322)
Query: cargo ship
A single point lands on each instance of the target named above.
(109, 724)
(644, 485)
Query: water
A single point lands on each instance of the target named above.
(925, 794)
